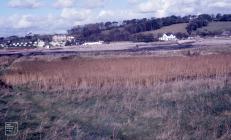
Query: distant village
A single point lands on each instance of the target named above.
(135, 30)
(37, 41)
(62, 40)
(57, 40)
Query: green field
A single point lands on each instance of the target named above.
(217, 27)
(176, 28)
(181, 28)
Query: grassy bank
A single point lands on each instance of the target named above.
(175, 98)
(183, 113)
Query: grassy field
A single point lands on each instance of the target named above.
(217, 27)
(175, 28)
(121, 98)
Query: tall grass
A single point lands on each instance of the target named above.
(75, 73)
(169, 112)
(148, 98)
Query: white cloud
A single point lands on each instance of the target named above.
(220, 4)
(24, 3)
(95, 3)
(105, 14)
(73, 14)
(64, 3)
(117, 15)
(161, 8)
(134, 1)
(157, 6)
(23, 22)
(18, 22)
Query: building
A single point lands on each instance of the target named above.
(93, 43)
(41, 44)
(165, 37)
(21, 43)
(60, 40)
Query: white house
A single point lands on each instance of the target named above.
(165, 37)
(60, 40)
(57, 44)
(41, 44)
(93, 43)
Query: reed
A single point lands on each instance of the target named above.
(75, 73)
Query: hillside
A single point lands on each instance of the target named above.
(212, 28)
(217, 27)
(175, 28)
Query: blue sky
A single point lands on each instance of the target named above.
(18, 17)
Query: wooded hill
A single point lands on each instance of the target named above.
(142, 29)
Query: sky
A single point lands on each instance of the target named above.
(18, 17)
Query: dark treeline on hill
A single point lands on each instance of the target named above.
(113, 31)
(204, 19)
(128, 30)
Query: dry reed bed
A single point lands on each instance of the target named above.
(128, 72)
(4, 60)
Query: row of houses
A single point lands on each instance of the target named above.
(61, 40)
(57, 40)
(22, 44)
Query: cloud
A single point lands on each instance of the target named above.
(161, 8)
(64, 3)
(94, 3)
(77, 12)
(106, 13)
(60, 22)
(24, 3)
(23, 22)
(117, 15)
(17, 22)
(220, 4)
(51, 23)
(134, 1)
(73, 14)
(151, 6)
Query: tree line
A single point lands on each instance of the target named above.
(204, 19)
(127, 30)
(124, 31)
(131, 30)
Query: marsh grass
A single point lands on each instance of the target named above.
(187, 112)
(76, 73)
(146, 98)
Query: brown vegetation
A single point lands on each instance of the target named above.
(179, 98)
(75, 73)
(177, 110)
